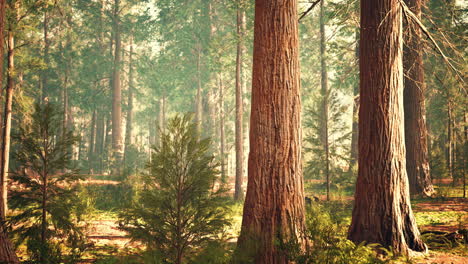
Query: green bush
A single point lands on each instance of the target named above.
(328, 244)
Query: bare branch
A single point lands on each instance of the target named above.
(410, 14)
(309, 9)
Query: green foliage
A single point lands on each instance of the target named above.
(47, 188)
(177, 213)
(338, 140)
(328, 243)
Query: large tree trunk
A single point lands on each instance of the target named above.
(274, 205)
(6, 128)
(7, 252)
(417, 156)
(238, 191)
(324, 84)
(116, 89)
(382, 210)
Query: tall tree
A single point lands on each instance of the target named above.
(7, 252)
(382, 211)
(325, 97)
(116, 87)
(129, 124)
(417, 156)
(274, 205)
(238, 191)
(6, 126)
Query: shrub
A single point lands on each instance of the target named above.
(178, 213)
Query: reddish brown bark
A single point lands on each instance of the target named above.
(417, 156)
(382, 212)
(274, 205)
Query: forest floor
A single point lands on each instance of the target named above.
(442, 214)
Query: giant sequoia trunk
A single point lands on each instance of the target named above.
(325, 104)
(417, 156)
(116, 89)
(382, 210)
(238, 192)
(274, 205)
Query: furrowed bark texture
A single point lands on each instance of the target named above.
(417, 156)
(382, 211)
(274, 205)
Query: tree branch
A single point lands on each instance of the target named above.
(309, 9)
(410, 14)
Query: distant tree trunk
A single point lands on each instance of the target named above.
(6, 128)
(128, 132)
(449, 137)
(117, 91)
(100, 130)
(417, 156)
(199, 101)
(162, 117)
(238, 191)
(107, 140)
(222, 147)
(465, 164)
(382, 210)
(92, 138)
(324, 84)
(274, 204)
(45, 91)
(7, 252)
(355, 126)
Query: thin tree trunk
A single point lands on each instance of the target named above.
(324, 83)
(199, 101)
(222, 147)
(238, 191)
(382, 211)
(116, 89)
(45, 91)
(7, 252)
(274, 204)
(100, 130)
(92, 139)
(355, 126)
(128, 132)
(465, 164)
(450, 138)
(417, 156)
(6, 129)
